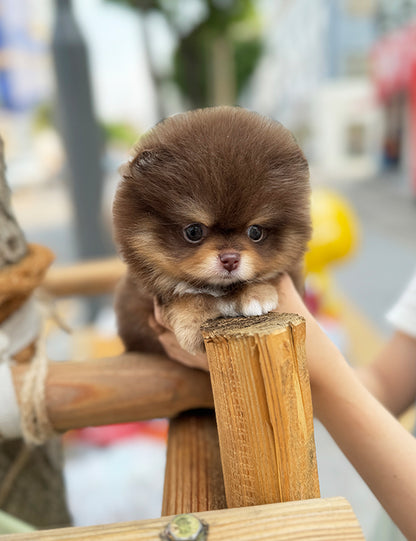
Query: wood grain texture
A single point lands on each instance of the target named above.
(87, 278)
(12, 240)
(264, 410)
(130, 387)
(193, 474)
(329, 519)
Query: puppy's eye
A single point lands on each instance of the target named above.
(255, 233)
(194, 232)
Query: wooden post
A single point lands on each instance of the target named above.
(193, 474)
(263, 406)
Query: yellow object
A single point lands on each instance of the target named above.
(94, 344)
(335, 236)
(335, 230)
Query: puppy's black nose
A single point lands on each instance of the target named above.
(230, 261)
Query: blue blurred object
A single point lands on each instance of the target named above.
(21, 83)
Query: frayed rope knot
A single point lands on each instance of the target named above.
(34, 420)
(30, 420)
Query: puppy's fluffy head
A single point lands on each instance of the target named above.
(213, 197)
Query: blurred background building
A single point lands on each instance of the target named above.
(81, 80)
(322, 67)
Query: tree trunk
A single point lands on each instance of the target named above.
(12, 241)
(31, 480)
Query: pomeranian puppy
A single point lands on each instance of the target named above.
(212, 208)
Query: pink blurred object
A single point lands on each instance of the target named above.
(312, 301)
(106, 435)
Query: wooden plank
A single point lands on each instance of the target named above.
(263, 407)
(88, 278)
(331, 519)
(130, 387)
(193, 474)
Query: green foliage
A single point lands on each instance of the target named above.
(247, 54)
(43, 116)
(193, 54)
(116, 132)
(139, 4)
(119, 133)
(235, 20)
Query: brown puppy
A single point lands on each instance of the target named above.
(212, 208)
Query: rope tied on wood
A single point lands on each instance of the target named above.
(17, 333)
(20, 331)
(34, 420)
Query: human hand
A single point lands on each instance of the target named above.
(321, 353)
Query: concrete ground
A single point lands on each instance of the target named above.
(386, 258)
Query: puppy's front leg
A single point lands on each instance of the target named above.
(185, 315)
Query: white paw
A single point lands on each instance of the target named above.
(270, 305)
(252, 308)
(256, 308)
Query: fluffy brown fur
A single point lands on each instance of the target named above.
(226, 170)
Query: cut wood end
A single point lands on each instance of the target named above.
(270, 323)
(28, 273)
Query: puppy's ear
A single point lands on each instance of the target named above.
(146, 159)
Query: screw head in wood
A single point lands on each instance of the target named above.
(185, 527)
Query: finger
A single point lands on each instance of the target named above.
(175, 352)
(155, 326)
(158, 313)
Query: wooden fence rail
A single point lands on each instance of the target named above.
(130, 387)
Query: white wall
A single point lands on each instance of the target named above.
(337, 107)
